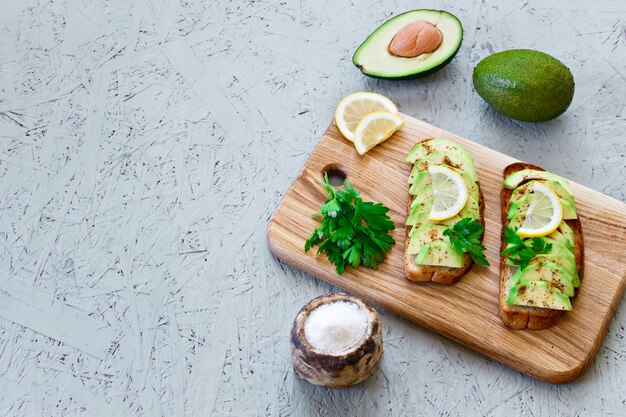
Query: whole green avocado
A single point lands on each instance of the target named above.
(526, 85)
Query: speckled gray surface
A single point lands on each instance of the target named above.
(144, 145)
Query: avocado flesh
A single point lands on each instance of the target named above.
(565, 235)
(422, 184)
(558, 249)
(422, 202)
(562, 239)
(567, 199)
(424, 197)
(431, 247)
(423, 235)
(513, 180)
(565, 263)
(421, 181)
(471, 209)
(556, 186)
(557, 267)
(420, 214)
(524, 84)
(420, 211)
(373, 58)
(545, 270)
(569, 210)
(422, 149)
(560, 190)
(452, 160)
(567, 231)
(457, 157)
(424, 231)
(520, 207)
(538, 294)
(419, 219)
(439, 253)
(472, 186)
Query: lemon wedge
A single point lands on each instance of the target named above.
(375, 128)
(449, 192)
(352, 108)
(544, 214)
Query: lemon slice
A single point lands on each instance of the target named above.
(544, 214)
(375, 128)
(355, 106)
(449, 192)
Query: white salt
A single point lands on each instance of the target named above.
(336, 327)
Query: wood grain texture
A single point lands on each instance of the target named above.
(466, 312)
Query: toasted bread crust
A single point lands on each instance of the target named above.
(439, 274)
(523, 317)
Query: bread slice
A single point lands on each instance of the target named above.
(438, 274)
(524, 317)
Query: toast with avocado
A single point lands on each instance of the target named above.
(542, 253)
(440, 168)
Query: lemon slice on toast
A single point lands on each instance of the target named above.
(449, 192)
(544, 214)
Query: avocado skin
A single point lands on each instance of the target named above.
(526, 85)
(416, 75)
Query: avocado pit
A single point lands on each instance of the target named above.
(415, 39)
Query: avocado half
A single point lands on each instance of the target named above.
(374, 59)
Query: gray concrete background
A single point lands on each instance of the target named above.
(144, 145)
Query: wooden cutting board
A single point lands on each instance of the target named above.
(466, 312)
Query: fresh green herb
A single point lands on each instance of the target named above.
(519, 252)
(465, 237)
(353, 232)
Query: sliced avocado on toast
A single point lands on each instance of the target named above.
(439, 253)
(538, 294)
(544, 270)
(568, 265)
(421, 181)
(458, 160)
(429, 254)
(537, 286)
(516, 179)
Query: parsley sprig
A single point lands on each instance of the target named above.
(520, 253)
(465, 237)
(353, 232)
